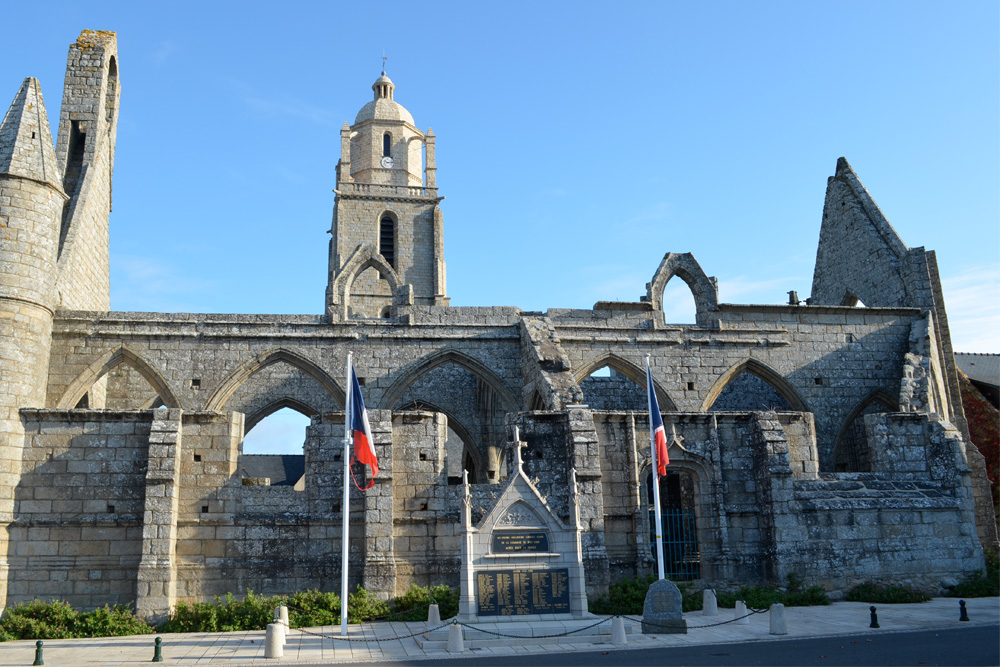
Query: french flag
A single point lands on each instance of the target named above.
(364, 445)
(656, 427)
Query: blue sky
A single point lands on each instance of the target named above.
(577, 142)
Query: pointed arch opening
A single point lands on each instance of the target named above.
(852, 453)
(217, 401)
(678, 303)
(612, 383)
(751, 386)
(273, 445)
(135, 385)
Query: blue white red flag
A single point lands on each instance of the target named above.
(656, 427)
(364, 445)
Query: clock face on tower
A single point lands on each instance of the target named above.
(387, 162)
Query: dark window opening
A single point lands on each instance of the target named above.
(681, 558)
(74, 162)
(386, 145)
(204, 509)
(111, 509)
(83, 403)
(197, 458)
(387, 240)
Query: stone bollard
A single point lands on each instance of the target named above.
(273, 645)
(709, 603)
(283, 615)
(963, 615)
(778, 626)
(433, 615)
(38, 654)
(281, 627)
(741, 613)
(618, 637)
(158, 650)
(456, 642)
(874, 623)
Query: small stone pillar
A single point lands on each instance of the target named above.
(433, 615)
(741, 613)
(778, 626)
(709, 604)
(273, 645)
(618, 637)
(456, 642)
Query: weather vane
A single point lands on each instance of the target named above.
(384, 58)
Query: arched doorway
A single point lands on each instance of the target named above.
(681, 556)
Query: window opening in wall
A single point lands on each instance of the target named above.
(111, 509)
(386, 145)
(749, 392)
(681, 558)
(678, 303)
(197, 458)
(273, 448)
(83, 403)
(387, 240)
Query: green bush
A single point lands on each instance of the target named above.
(58, 620)
(628, 596)
(363, 606)
(310, 609)
(761, 597)
(980, 584)
(252, 612)
(872, 592)
(413, 604)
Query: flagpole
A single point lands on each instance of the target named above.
(345, 505)
(656, 475)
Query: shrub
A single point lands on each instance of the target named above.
(628, 596)
(980, 584)
(114, 621)
(252, 612)
(58, 620)
(309, 609)
(363, 606)
(761, 597)
(872, 592)
(413, 604)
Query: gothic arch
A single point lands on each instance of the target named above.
(764, 372)
(877, 397)
(478, 459)
(123, 355)
(411, 373)
(272, 407)
(365, 256)
(632, 372)
(704, 289)
(225, 390)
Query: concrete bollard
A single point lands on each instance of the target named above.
(618, 637)
(433, 615)
(273, 645)
(283, 615)
(281, 628)
(456, 642)
(778, 625)
(741, 613)
(709, 603)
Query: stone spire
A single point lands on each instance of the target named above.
(26, 148)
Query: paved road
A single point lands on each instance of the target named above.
(947, 648)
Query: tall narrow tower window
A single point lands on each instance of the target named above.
(386, 145)
(387, 239)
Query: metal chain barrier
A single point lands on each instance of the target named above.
(509, 636)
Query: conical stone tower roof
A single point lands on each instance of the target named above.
(25, 139)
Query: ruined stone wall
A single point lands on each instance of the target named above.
(78, 517)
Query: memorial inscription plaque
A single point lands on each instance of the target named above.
(521, 592)
(523, 541)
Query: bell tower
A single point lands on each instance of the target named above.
(387, 248)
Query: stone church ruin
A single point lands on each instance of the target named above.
(821, 439)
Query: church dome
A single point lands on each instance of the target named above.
(383, 107)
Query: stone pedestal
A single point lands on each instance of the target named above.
(661, 613)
